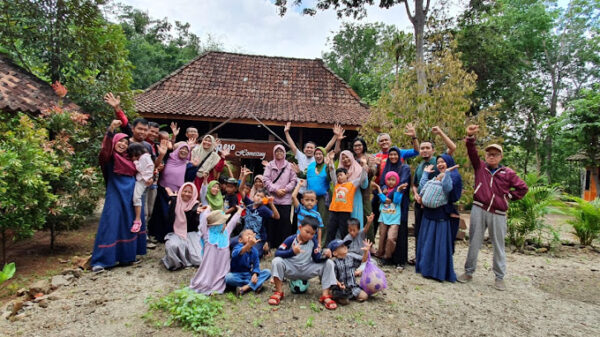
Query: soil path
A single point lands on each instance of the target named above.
(546, 296)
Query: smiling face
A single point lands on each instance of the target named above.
(384, 143)
(206, 142)
(346, 161)
(426, 150)
(215, 189)
(309, 149)
(191, 133)
(391, 181)
(153, 133)
(183, 152)
(121, 145)
(342, 177)
(358, 148)
(393, 157)
(319, 157)
(441, 165)
(493, 158)
(258, 183)
(279, 154)
(140, 131)
(187, 193)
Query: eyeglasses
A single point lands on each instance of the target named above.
(357, 145)
(493, 155)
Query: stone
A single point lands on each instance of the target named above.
(59, 281)
(85, 263)
(43, 303)
(542, 250)
(53, 297)
(40, 286)
(16, 306)
(39, 299)
(72, 271)
(22, 292)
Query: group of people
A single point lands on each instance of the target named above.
(320, 213)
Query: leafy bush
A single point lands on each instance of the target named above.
(587, 219)
(7, 272)
(26, 169)
(190, 310)
(526, 216)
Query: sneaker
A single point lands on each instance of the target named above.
(412, 262)
(499, 285)
(464, 278)
(97, 269)
(137, 261)
(150, 245)
(400, 268)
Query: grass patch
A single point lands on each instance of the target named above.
(189, 310)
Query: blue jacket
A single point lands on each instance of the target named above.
(244, 263)
(285, 250)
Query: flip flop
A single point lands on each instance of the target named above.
(328, 302)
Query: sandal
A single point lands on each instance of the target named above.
(276, 298)
(239, 291)
(328, 302)
(137, 224)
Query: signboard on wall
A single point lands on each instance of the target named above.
(248, 149)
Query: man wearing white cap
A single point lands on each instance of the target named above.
(494, 186)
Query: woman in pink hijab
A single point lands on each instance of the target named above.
(279, 180)
(354, 168)
(182, 245)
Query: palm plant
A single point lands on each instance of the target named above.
(586, 222)
(526, 216)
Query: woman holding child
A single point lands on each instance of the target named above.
(359, 148)
(115, 243)
(434, 252)
(355, 170)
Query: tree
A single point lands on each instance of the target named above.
(155, 48)
(357, 9)
(364, 55)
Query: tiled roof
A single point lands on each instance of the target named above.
(22, 91)
(218, 85)
(581, 156)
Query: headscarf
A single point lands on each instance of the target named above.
(457, 184)
(355, 170)
(123, 165)
(279, 163)
(180, 223)
(391, 190)
(253, 189)
(214, 201)
(389, 167)
(216, 234)
(199, 153)
(173, 175)
(320, 166)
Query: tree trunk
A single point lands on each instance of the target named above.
(419, 28)
(548, 141)
(3, 246)
(52, 236)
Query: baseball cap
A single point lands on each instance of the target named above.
(493, 146)
(335, 244)
(231, 180)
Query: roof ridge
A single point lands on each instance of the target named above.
(177, 71)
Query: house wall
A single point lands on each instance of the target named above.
(589, 186)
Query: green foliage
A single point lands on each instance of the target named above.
(7, 272)
(190, 310)
(587, 219)
(367, 56)
(526, 216)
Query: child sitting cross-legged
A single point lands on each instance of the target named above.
(347, 287)
(245, 273)
(299, 258)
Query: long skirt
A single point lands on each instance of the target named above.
(159, 225)
(434, 253)
(182, 253)
(278, 230)
(115, 243)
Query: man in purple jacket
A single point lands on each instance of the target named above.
(494, 186)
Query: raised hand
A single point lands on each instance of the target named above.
(363, 162)
(163, 147)
(370, 217)
(410, 130)
(338, 131)
(303, 182)
(287, 127)
(296, 248)
(114, 125)
(367, 244)
(452, 168)
(472, 130)
(225, 152)
(330, 157)
(436, 130)
(113, 101)
(295, 168)
(191, 142)
(402, 187)
(264, 163)
(175, 129)
(428, 169)
(376, 186)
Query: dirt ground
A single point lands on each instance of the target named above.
(549, 294)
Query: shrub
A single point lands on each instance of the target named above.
(7, 272)
(192, 311)
(587, 219)
(526, 216)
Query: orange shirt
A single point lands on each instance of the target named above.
(343, 198)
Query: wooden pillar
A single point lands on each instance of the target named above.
(300, 143)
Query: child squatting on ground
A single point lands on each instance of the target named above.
(299, 258)
(143, 178)
(245, 273)
(347, 287)
(357, 237)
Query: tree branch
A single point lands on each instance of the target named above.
(410, 17)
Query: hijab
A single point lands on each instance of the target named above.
(123, 164)
(391, 190)
(279, 163)
(199, 153)
(355, 170)
(214, 201)
(180, 223)
(457, 184)
(389, 167)
(173, 175)
(320, 166)
(253, 190)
